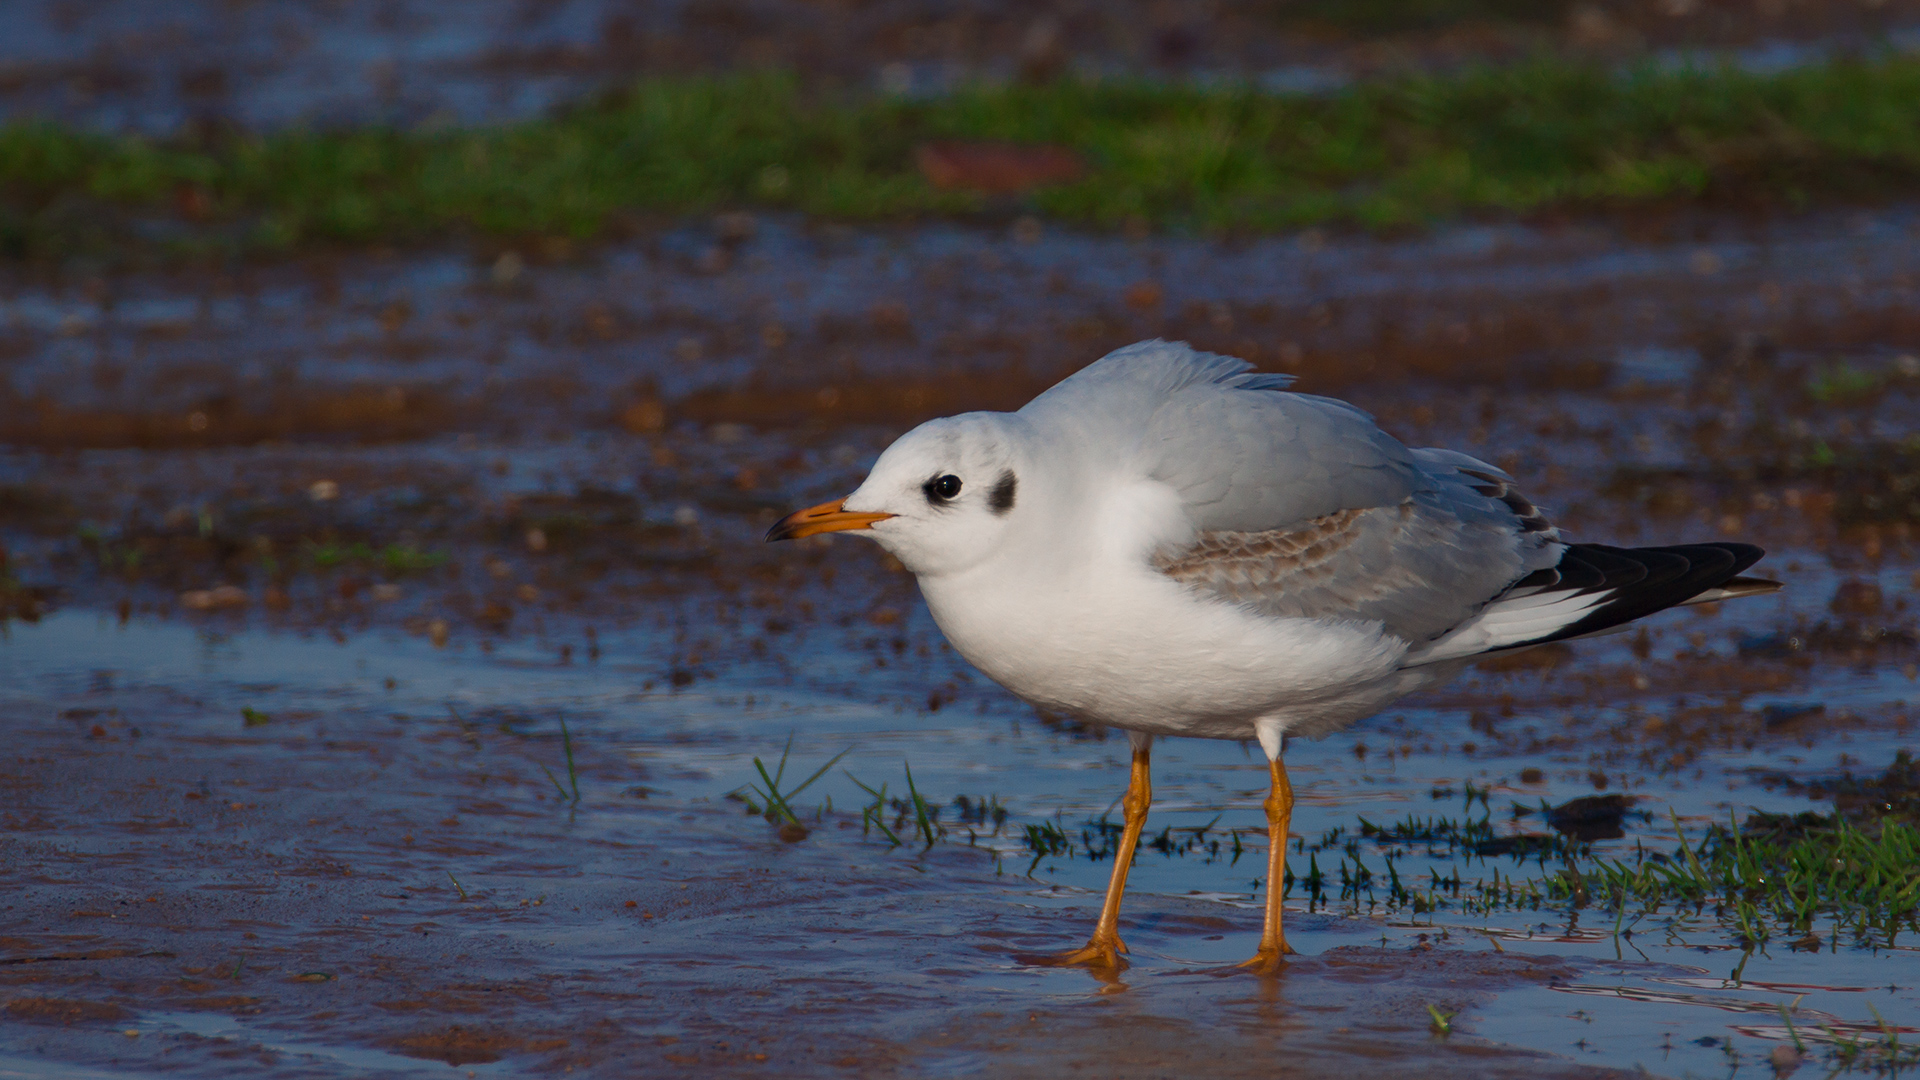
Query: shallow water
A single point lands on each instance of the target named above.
(1648, 998)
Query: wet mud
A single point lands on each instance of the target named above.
(383, 892)
(390, 647)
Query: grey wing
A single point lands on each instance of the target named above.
(1421, 566)
(1259, 461)
(1242, 454)
(1302, 505)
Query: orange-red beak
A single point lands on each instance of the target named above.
(825, 518)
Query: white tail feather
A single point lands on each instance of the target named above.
(1505, 623)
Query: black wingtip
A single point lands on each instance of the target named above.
(1646, 580)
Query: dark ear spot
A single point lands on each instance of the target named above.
(1000, 499)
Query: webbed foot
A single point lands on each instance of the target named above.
(1096, 953)
(1268, 961)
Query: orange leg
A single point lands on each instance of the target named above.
(1105, 947)
(1279, 806)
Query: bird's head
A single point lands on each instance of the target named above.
(939, 499)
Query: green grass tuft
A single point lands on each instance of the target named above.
(874, 816)
(573, 775)
(779, 806)
(1865, 881)
(395, 559)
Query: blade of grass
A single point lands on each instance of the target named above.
(573, 777)
(556, 783)
(818, 773)
(782, 769)
(873, 815)
(1886, 1029)
(775, 804)
(921, 821)
(1791, 1033)
(1693, 861)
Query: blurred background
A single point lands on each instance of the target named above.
(162, 68)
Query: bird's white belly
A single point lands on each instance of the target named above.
(1140, 651)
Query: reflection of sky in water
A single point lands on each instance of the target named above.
(1669, 990)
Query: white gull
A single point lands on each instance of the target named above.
(1169, 543)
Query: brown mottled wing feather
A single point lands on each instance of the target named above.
(1416, 567)
(1258, 567)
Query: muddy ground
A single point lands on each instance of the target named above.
(308, 565)
(230, 903)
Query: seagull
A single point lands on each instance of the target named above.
(1171, 543)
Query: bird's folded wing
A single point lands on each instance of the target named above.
(1415, 567)
(1299, 505)
(1247, 461)
(1242, 454)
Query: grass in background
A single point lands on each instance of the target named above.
(1390, 153)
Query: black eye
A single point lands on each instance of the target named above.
(943, 488)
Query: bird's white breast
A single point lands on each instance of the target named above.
(1077, 620)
